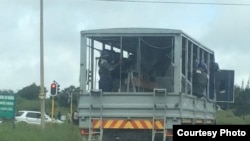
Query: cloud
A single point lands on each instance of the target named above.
(223, 29)
(228, 35)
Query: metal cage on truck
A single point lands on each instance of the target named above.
(152, 87)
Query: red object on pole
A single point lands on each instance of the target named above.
(53, 89)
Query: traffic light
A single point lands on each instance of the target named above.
(89, 76)
(58, 89)
(53, 89)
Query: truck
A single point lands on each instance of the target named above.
(153, 87)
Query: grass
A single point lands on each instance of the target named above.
(27, 132)
(227, 117)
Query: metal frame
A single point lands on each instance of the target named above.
(178, 105)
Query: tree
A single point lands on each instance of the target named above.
(30, 92)
(6, 92)
(242, 103)
(65, 95)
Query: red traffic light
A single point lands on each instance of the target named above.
(53, 90)
(53, 85)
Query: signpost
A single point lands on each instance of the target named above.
(7, 106)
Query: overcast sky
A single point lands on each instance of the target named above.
(222, 28)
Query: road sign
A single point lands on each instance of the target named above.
(7, 106)
(225, 86)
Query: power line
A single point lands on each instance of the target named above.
(183, 2)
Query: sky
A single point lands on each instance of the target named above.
(222, 28)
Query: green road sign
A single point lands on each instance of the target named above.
(7, 106)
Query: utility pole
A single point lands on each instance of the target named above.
(42, 94)
(71, 105)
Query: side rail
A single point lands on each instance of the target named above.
(178, 108)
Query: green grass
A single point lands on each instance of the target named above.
(227, 117)
(27, 132)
